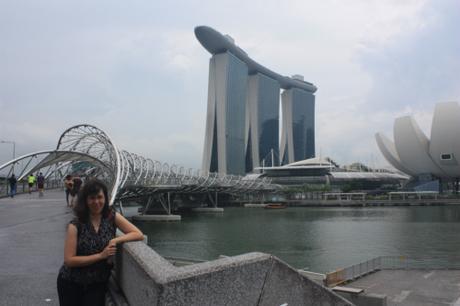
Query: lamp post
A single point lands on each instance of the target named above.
(14, 148)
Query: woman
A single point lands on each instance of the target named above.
(89, 246)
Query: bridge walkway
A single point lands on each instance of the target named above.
(32, 233)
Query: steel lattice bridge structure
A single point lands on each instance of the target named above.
(127, 175)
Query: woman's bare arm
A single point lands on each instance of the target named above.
(131, 232)
(70, 251)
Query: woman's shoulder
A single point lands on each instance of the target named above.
(75, 222)
(111, 215)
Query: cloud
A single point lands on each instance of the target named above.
(418, 67)
(347, 135)
(138, 72)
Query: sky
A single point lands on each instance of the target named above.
(135, 69)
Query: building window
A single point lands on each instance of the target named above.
(446, 156)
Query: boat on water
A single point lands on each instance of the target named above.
(275, 206)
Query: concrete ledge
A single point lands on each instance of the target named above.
(157, 218)
(208, 209)
(114, 295)
(365, 299)
(317, 277)
(146, 278)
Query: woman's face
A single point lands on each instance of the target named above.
(96, 203)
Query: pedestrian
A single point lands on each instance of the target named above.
(13, 183)
(89, 246)
(68, 185)
(40, 184)
(77, 182)
(31, 182)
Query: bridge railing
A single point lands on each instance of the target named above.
(120, 169)
(23, 187)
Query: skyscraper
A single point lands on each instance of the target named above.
(298, 132)
(225, 123)
(262, 123)
(242, 123)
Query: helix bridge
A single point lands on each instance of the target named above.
(88, 151)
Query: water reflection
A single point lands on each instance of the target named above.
(321, 239)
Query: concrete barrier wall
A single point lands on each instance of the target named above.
(317, 277)
(146, 278)
(365, 299)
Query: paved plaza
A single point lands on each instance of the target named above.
(414, 287)
(32, 232)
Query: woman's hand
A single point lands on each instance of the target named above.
(109, 250)
(70, 251)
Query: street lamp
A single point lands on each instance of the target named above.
(14, 149)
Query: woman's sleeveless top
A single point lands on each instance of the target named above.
(88, 243)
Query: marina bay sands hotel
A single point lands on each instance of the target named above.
(242, 123)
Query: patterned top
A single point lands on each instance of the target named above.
(88, 243)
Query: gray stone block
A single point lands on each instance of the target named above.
(224, 282)
(284, 285)
(140, 272)
(146, 278)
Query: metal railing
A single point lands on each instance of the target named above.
(23, 187)
(420, 263)
(390, 263)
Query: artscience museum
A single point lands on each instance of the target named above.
(426, 160)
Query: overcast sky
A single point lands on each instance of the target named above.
(136, 70)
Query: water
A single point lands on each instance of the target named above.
(318, 239)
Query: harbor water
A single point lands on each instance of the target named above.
(317, 239)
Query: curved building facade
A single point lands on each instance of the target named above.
(413, 153)
(262, 121)
(298, 133)
(242, 122)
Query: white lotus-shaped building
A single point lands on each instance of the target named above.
(413, 153)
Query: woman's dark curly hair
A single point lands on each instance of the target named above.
(90, 188)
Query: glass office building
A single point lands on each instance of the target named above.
(262, 122)
(242, 123)
(298, 133)
(226, 118)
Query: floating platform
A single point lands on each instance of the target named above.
(208, 209)
(254, 205)
(157, 218)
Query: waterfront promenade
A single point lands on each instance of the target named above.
(32, 235)
(413, 287)
(32, 232)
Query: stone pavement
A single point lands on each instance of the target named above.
(32, 232)
(413, 287)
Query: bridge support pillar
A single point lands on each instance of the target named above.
(165, 201)
(210, 209)
(214, 201)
